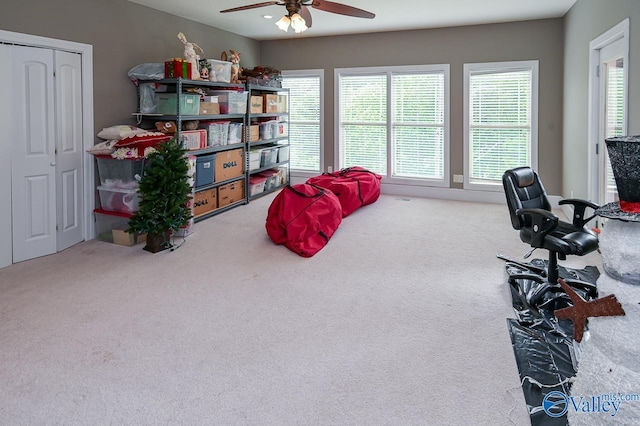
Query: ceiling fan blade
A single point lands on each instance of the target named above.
(306, 15)
(342, 9)
(251, 6)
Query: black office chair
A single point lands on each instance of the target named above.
(531, 214)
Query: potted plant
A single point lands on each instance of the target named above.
(164, 193)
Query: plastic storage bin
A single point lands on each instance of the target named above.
(272, 179)
(118, 199)
(189, 104)
(283, 153)
(255, 156)
(120, 173)
(205, 170)
(235, 133)
(268, 156)
(256, 184)
(217, 132)
(231, 101)
(220, 71)
(111, 227)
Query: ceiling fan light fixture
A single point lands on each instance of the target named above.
(283, 23)
(298, 24)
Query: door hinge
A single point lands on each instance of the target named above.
(597, 70)
(56, 227)
(597, 149)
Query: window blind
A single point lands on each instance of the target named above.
(363, 121)
(396, 114)
(500, 116)
(304, 122)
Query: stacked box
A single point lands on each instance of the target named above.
(205, 170)
(194, 139)
(270, 103)
(256, 184)
(178, 67)
(229, 164)
(119, 173)
(230, 193)
(205, 201)
(167, 104)
(255, 104)
(235, 133)
(111, 227)
(231, 101)
(118, 199)
(220, 71)
(217, 132)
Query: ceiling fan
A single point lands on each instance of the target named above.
(298, 14)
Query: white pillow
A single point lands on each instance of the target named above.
(119, 132)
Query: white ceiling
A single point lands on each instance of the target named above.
(391, 15)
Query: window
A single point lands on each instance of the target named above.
(500, 121)
(394, 121)
(305, 119)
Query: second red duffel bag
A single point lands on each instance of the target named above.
(354, 186)
(303, 218)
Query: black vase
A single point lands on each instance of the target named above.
(624, 154)
(158, 242)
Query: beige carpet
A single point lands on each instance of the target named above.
(400, 320)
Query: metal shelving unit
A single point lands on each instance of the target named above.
(279, 141)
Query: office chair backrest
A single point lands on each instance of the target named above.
(523, 189)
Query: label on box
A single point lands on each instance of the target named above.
(229, 164)
(209, 108)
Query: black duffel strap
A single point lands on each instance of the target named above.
(301, 194)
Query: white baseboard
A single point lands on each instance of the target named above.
(454, 194)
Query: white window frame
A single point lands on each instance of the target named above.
(311, 73)
(499, 67)
(389, 71)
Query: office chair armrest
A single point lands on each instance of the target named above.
(579, 207)
(542, 222)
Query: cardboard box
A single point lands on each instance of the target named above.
(230, 193)
(123, 238)
(205, 201)
(282, 103)
(194, 139)
(209, 108)
(229, 164)
(255, 105)
(270, 103)
(254, 133)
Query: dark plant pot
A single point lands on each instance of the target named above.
(157, 242)
(624, 153)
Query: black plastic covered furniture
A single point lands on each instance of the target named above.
(539, 227)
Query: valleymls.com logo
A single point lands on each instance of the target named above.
(556, 404)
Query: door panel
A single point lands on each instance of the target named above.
(33, 154)
(69, 185)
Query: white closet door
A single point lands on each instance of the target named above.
(69, 193)
(33, 158)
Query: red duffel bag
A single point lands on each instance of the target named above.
(354, 186)
(303, 218)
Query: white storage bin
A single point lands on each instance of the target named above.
(119, 200)
(121, 173)
(217, 132)
(235, 133)
(220, 71)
